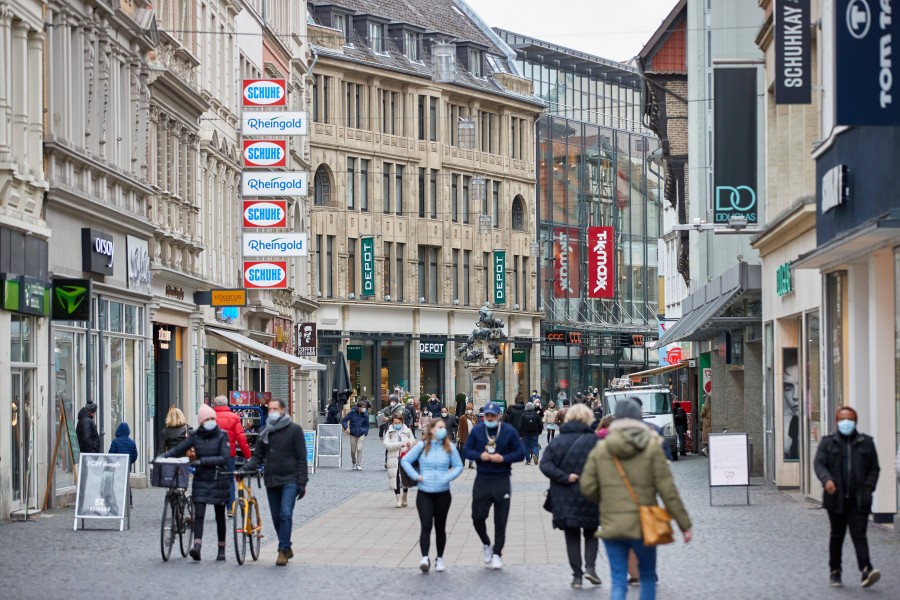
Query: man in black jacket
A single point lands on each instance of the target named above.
(86, 430)
(847, 465)
(283, 443)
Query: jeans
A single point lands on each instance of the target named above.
(617, 551)
(573, 549)
(486, 492)
(433, 508)
(680, 432)
(281, 504)
(531, 443)
(857, 522)
(229, 466)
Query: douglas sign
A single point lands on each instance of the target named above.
(601, 263)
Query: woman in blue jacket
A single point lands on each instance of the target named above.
(439, 464)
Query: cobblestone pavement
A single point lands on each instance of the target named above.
(347, 527)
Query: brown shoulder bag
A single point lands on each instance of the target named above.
(656, 522)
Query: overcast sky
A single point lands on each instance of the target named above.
(613, 29)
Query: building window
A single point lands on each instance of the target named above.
(421, 117)
(411, 45)
(495, 201)
(467, 260)
(465, 207)
(376, 37)
(322, 187)
(398, 190)
(428, 274)
(342, 24)
(454, 198)
(354, 98)
(386, 191)
(486, 268)
(364, 185)
(524, 283)
(518, 214)
(515, 279)
(455, 276)
(476, 62)
(401, 279)
(422, 193)
(433, 192)
(319, 266)
(315, 98)
(386, 285)
(329, 267)
(327, 82)
(351, 183)
(432, 119)
(351, 267)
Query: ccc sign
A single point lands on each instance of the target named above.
(572, 338)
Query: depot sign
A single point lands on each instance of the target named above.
(270, 275)
(268, 213)
(601, 263)
(265, 153)
(264, 92)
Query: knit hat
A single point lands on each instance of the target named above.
(529, 406)
(628, 409)
(206, 412)
(91, 407)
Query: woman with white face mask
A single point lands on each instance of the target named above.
(212, 451)
(398, 439)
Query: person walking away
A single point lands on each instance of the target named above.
(494, 448)
(550, 425)
(439, 464)
(630, 458)
(397, 439)
(574, 514)
(281, 447)
(514, 414)
(706, 424)
(451, 423)
(333, 412)
(434, 405)
(532, 427)
(123, 444)
(466, 423)
(461, 401)
(356, 425)
(86, 430)
(230, 423)
(561, 397)
(847, 465)
(175, 431)
(680, 420)
(411, 417)
(212, 451)
(603, 427)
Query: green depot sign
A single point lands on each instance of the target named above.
(783, 283)
(71, 300)
(499, 276)
(368, 266)
(519, 355)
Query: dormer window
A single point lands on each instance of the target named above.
(342, 24)
(376, 37)
(476, 62)
(497, 64)
(411, 45)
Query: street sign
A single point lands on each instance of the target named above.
(601, 263)
(519, 355)
(102, 487)
(793, 75)
(735, 145)
(499, 276)
(306, 339)
(329, 445)
(219, 298)
(71, 300)
(368, 265)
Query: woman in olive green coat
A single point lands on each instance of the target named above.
(638, 449)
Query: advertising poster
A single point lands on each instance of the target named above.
(566, 278)
(601, 263)
(791, 397)
(102, 486)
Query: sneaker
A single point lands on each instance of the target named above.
(221, 555)
(591, 575)
(359, 467)
(576, 583)
(289, 553)
(353, 468)
(634, 581)
(195, 552)
(535, 460)
(496, 563)
(399, 502)
(870, 576)
(488, 551)
(229, 514)
(282, 559)
(439, 565)
(425, 564)
(835, 579)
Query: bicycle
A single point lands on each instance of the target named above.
(247, 522)
(178, 510)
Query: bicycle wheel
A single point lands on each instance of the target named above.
(255, 527)
(239, 508)
(167, 528)
(186, 527)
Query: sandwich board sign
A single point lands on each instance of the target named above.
(328, 445)
(729, 461)
(102, 491)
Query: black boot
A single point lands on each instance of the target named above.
(221, 554)
(195, 552)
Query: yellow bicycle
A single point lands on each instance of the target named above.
(247, 524)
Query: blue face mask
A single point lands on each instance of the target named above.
(846, 426)
(209, 425)
(440, 434)
(399, 427)
(491, 424)
(274, 417)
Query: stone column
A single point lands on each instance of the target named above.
(19, 68)
(5, 67)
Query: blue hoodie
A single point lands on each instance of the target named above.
(509, 445)
(124, 444)
(434, 466)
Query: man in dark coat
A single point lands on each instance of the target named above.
(577, 516)
(333, 413)
(530, 428)
(847, 465)
(86, 430)
(680, 420)
(434, 405)
(514, 414)
(282, 447)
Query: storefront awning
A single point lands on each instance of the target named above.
(657, 371)
(863, 240)
(254, 347)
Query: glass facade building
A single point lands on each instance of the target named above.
(595, 168)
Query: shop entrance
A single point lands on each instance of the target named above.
(431, 367)
(23, 469)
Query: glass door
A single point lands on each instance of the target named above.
(812, 403)
(22, 438)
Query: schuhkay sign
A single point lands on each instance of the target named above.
(601, 263)
(793, 78)
(264, 92)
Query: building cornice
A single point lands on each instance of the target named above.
(787, 227)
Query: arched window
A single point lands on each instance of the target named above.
(518, 214)
(322, 185)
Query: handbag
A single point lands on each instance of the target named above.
(405, 480)
(548, 503)
(656, 522)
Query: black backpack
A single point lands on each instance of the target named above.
(531, 423)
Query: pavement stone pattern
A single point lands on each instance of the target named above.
(350, 540)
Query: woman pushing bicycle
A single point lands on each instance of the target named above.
(212, 451)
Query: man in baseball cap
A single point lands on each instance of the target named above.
(494, 448)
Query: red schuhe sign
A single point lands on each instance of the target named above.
(601, 263)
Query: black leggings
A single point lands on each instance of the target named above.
(200, 512)
(551, 433)
(433, 508)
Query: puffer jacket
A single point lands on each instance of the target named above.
(437, 468)
(231, 424)
(172, 436)
(567, 454)
(86, 432)
(393, 442)
(123, 444)
(513, 416)
(357, 422)
(643, 461)
(213, 453)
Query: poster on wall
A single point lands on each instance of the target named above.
(791, 397)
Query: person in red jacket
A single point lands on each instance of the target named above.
(231, 424)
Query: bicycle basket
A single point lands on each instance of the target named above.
(169, 475)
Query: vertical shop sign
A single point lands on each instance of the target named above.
(566, 255)
(735, 145)
(601, 263)
(793, 76)
(368, 266)
(499, 276)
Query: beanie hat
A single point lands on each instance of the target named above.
(529, 406)
(90, 407)
(205, 412)
(628, 409)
